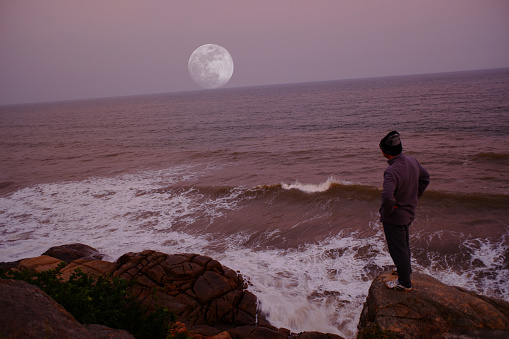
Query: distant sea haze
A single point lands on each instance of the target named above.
(281, 183)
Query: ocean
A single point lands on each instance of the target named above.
(281, 183)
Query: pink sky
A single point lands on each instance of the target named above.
(60, 49)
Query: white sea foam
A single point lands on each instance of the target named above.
(487, 273)
(318, 287)
(315, 188)
(114, 215)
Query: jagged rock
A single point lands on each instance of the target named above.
(197, 288)
(28, 312)
(432, 310)
(71, 252)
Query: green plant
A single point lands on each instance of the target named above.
(101, 300)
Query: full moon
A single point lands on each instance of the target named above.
(210, 66)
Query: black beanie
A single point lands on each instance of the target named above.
(391, 144)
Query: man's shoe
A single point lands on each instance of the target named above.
(395, 285)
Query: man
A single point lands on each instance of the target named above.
(404, 182)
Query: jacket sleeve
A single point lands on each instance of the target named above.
(388, 200)
(424, 180)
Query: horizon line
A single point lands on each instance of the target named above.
(246, 86)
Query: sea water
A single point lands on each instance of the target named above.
(281, 183)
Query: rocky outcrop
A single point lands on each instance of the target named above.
(28, 312)
(432, 310)
(197, 288)
(211, 300)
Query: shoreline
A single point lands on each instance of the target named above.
(89, 260)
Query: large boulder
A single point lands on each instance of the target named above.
(197, 288)
(432, 310)
(28, 312)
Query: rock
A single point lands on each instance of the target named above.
(102, 332)
(222, 335)
(432, 309)
(71, 252)
(256, 332)
(203, 331)
(90, 267)
(6, 266)
(44, 263)
(314, 335)
(28, 312)
(39, 264)
(197, 288)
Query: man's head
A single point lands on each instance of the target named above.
(391, 144)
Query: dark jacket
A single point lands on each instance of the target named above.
(404, 182)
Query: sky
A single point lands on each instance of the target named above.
(55, 50)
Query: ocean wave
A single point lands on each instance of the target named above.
(343, 189)
(467, 200)
(495, 157)
(8, 187)
(314, 188)
(334, 189)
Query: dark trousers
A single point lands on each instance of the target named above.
(399, 248)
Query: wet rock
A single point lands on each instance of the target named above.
(71, 252)
(28, 312)
(432, 309)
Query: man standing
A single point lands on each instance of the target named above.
(404, 182)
